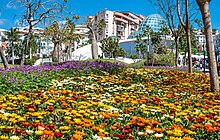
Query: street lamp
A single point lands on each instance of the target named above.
(204, 57)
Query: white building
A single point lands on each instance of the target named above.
(119, 24)
(83, 31)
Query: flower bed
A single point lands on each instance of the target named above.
(129, 103)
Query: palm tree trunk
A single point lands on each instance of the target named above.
(4, 60)
(213, 73)
(55, 54)
(12, 51)
(94, 46)
(189, 44)
(176, 55)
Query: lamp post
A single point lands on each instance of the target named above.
(204, 58)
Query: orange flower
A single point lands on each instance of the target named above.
(113, 127)
(101, 135)
(210, 129)
(31, 109)
(132, 122)
(103, 125)
(87, 125)
(49, 133)
(192, 127)
(155, 123)
(158, 130)
(25, 124)
(76, 137)
(141, 124)
(95, 128)
(64, 105)
(78, 126)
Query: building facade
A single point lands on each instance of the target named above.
(118, 24)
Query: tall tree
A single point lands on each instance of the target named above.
(3, 47)
(186, 26)
(205, 11)
(34, 12)
(13, 39)
(141, 46)
(156, 42)
(164, 31)
(61, 34)
(111, 47)
(95, 27)
(168, 8)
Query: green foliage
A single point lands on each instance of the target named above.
(133, 56)
(101, 25)
(156, 41)
(162, 59)
(29, 61)
(141, 45)
(15, 42)
(61, 34)
(183, 43)
(110, 47)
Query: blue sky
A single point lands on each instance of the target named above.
(91, 7)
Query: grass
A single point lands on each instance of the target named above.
(2, 66)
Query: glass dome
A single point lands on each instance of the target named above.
(155, 22)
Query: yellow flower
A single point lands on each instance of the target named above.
(64, 128)
(177, 120)
(67, 117)
(81, 111)
(101, 130)
(40, 117)
(3, 137)
(191, 132)
(169, 132)
(39, 132)
(79, 115)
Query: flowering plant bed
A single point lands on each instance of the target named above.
(120, 103)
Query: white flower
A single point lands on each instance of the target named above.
(106, 138)
(171, 117)
(157, 135)
(40, 128)
(141, 133)
(14, 138)
(120, 119)
(96, 137)
(29, 132)
(149, 131)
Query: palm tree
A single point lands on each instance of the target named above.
(13, 38)
(205, 11)
(93, 34)
(164, 31)
(3, 46)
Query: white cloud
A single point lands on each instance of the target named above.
(10, 6)
(3, 21)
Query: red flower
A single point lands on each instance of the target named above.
(126, 131)
(120, 136)
(127, 127)
(25, 124)
(35, 125)
(18, 130)
(51, 126)
(50, 108)
(172, 110)
(58, 134)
